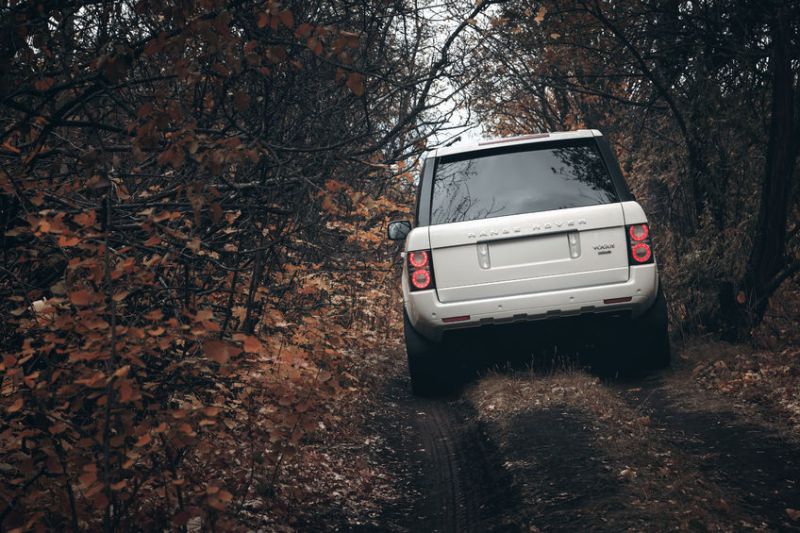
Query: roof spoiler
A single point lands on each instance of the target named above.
(518, 138)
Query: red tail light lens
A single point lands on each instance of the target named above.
(639, 245)
(639, 232)
(418, 259)
(641, 253)
(420, 270)
(421, 279)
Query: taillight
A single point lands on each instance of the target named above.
(639, 245)
(418, 259)
(420, 270)
(639, 232)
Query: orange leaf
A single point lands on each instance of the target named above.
(252, 344)
(262, 21)
(166, 215)
(16, 406)
(65, 242)
(119, 296)
(155, 314)
(144, 440)
(334, 186)
(44, 84)
(88, 478)
(11, 148)
(80, 297)
(86, 219)
(58, 427)
(287, 18)
(219, 351)
(304, 30)
(328, 205)
(125, 391)
(314, 45)
(355, 82)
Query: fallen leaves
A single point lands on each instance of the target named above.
(86, 219)
(16, 406)
(218, 498)
(220, 351)
(81, 297)
(144, 440)
(252, 344)
(539, 18)
(125, 391)
(66, 241)
(140, 330)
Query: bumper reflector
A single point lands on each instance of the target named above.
(450, 319)
(622, 300)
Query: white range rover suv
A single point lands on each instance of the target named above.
(522, 229)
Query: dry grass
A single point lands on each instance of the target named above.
(767, 379)
(658, 483)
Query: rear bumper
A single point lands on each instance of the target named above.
(426, 312)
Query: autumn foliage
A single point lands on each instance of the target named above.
(700, 101)
(194, 196)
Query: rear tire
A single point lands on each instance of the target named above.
(425, 365)
(650, 349)
(635, 346)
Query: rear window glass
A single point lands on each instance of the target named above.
(515, 180)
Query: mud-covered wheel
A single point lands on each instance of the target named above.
(425, 365)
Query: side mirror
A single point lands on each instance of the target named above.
(399, 230)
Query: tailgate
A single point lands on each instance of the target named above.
(529, 253)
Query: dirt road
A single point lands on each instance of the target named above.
(564, 450)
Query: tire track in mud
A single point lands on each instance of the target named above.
(564, 476)
(468, 489)
(696, 463)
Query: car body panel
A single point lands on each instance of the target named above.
(532, 271)
(531, 252)
(427, 312)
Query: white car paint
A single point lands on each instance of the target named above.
(529, 266)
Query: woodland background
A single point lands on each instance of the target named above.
(194, 197)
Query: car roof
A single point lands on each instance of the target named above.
(486, 144)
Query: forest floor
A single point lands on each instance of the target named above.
(712, 444)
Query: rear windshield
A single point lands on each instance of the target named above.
(515, 180)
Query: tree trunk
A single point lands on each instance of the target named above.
(743, 304)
